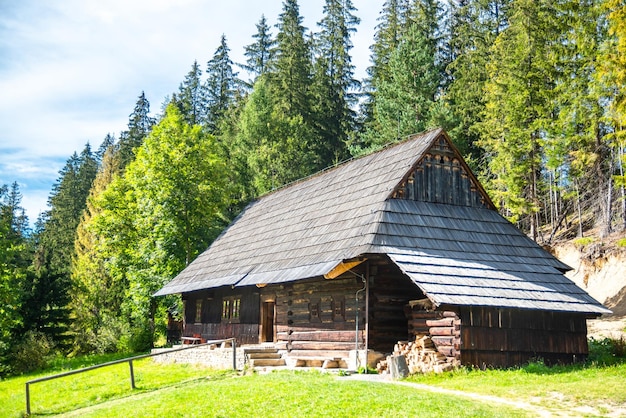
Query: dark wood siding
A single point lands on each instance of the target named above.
(507, 337)
(319, 314)
(211, 327)
(441, 177)
(390, 292)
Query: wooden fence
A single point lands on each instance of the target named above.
(130, 365)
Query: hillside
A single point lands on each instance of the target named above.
(599, 267)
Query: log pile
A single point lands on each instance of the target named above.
(421, 356)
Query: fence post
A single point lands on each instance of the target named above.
(27, 399)
(234, 344)
(132, 374)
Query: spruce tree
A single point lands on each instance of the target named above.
(221, 86)
(139, 125)
(259, 54)
(191, 98)
(96, 297)
(15, 259)
(519, 109)
(45, 305)
(389, 31)
(475, 26)
(334, 83)
(408, 98)
(291, 72)
(611, 77)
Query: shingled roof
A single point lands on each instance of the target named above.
(457, 252)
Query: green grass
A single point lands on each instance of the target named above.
(294, 394)
(188, 390)
(96, 386)
(549, 387)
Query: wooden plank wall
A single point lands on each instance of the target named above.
(245, 333)
(508, 337)
(318, 314)
(211, 327)
(440, 178)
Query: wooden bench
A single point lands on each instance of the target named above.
(190, 340)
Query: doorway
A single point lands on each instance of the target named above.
(268, 314)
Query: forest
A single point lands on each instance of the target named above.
(532, 92)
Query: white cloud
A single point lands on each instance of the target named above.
(71, 71)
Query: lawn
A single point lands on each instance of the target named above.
(185, 390)
(555, 388)
(292, 394)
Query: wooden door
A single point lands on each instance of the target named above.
(267, 328)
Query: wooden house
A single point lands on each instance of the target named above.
(398, 243)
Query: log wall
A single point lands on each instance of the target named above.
(390, 292)
(319, 314)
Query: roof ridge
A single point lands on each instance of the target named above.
(381, 148)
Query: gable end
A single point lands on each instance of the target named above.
(442, 176)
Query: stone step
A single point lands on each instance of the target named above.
(273, 362)
(264, 355)
(316, 354)
(259, 350)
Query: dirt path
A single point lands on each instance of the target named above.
(561, 410)
(473, 396)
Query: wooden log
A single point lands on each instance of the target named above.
(323, 335)
(444, 322)
(443, 340)
(321, 345)
(441, 331)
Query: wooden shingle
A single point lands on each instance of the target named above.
(458, 254)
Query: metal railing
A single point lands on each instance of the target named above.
(130, 365)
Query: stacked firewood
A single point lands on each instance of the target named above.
(421, 356)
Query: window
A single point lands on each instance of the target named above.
(231, 307)
(338, 306)
(314, 310)
(198, 318)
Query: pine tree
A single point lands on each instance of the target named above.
(519, 109)
(475, 26)
(334, 83)
(220, 86)
(47, 294)
(259, 54)
(191, 98)
(139, 125)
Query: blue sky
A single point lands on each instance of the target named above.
(71, 70)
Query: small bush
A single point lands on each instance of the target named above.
(607, 350)
(136, 340)
(583, 242)
(33, 353)
(621, 242)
